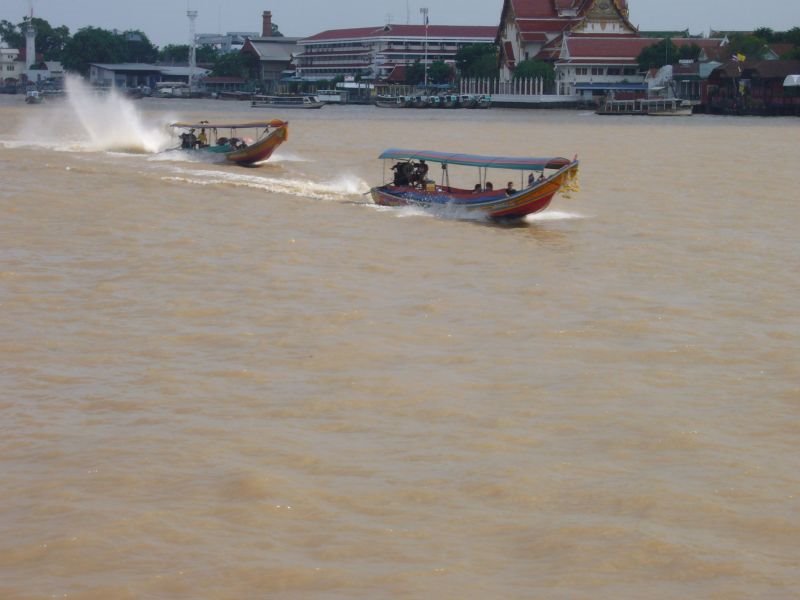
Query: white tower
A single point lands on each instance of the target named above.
(192, 14)
(30, 41)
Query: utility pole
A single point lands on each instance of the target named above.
(192, 14)
(424, 12)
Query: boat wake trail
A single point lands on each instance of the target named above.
(552, 215)
(344, 187)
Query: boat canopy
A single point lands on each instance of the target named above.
(211, 125)
(473, 160)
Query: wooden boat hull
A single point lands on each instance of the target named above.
(257, 152)
(260, 150)
(495, 205)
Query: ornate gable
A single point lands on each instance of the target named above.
(606, 17)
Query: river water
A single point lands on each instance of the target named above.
(221, 382)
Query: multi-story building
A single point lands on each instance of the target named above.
(591, 44)
(376, 53)
(11, 68)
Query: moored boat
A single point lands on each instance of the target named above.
(392, 101)
(654, 107)
(410, 185)
(305, 101)
(233, 148)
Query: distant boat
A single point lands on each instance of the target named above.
(654, 107)
(410, 185)
(392, 101)
(232, 148)
(296, 101)
(34, 97)
(331, 96)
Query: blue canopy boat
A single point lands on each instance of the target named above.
(411, 186)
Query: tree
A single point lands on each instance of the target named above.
(415, 73)
(690, 52)
(236, 64)
(766, 34)
(275, 31)
(172, 54)
(137, 47)
(11, 35)
(477, 60)
(535, 69)
(439, 72)
(751, 46)
(658, 55)
(49, 41)
(92, 45)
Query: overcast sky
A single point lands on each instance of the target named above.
(164, 21)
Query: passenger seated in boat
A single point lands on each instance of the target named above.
(531, 179)
(202, 139)
(541, 177)
(422, 169)
(222, 141)
(510, 189)
(401, 173)
(477, 188)
(234, 142)
(489, 187)
(188, 140)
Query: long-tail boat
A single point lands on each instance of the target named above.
(411, 186)
(232, 147)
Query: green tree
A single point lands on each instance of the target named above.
(751, 46)
(439, 72)
(138, 48)
(792, 36)
(658, 55)
(690, 52)
(766, 34)
(236, 64)
(11, 35)
(415, 73)
(92, 45)
(536, 69)
(174, 53)
(50, 41)
(477, 60)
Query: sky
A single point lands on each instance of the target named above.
(165, 22)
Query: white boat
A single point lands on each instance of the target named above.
(287, 101)
(654, 107)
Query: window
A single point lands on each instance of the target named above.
(581, 71)
(614, 71)
(597, 70)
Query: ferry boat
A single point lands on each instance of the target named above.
(297, 101)
(654, 107)
(410, 184)
(233, 147)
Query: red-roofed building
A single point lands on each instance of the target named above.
(376, 52)
(591, 43)
(535, 29)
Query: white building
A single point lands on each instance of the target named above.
(383, 52)
(10, 65)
